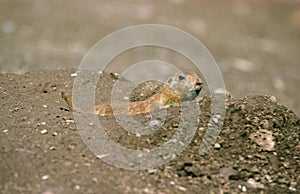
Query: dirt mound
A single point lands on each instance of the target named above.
(41, 151)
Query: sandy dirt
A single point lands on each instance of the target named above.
(41, 150)
(256, 43)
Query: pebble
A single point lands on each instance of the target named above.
(286, 164)
(95, 180)
(45, 106)
(176, 125)
(54, 133)
(218, 116)
(74, 74)
(201, 128)
(215, 120)
(52, 148)
(273, 99)
(254, 184)
(45, 177)
(242, 187)
(152, 171)
(5, 130)
(102, 156)
(180, 188)
(44, 131)
(217, 146)
(43, 123)
(268, 177)
(69, 121)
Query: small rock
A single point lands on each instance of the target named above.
(95, 180)
(102, 156)
(268, 177)
(74, 74)
(45, 106)
(69, 121)
(217, 146)
(218, 116)
(180, 188)
(253, 184)
(54, 133)
(201, 128)
(286, 164)
(44, 131)
(43, 123)
(242, 187)
(45, 177)
(273, 99)
(52, 148)
(176, 125)
(215, 120)
(152, 171)
(5, 131)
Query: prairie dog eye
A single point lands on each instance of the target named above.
(180, 77)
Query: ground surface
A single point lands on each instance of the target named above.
(256, 43)
(41, 150)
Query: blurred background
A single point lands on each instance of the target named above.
(256, 43)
